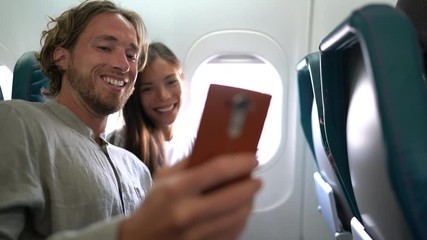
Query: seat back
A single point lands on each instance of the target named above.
(28, 79)
(335, 103)
(333, 203)
(379, 102)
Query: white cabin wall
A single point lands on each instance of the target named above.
(179, 25)
(182, 25)
(22, 23)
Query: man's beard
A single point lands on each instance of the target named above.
(98, 102)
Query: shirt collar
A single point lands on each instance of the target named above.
(70, 119)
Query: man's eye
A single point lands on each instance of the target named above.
(105, 49)
(132, 57)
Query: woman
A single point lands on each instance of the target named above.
(152, 109)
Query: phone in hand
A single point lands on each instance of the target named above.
(232, 121)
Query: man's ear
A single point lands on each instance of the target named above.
(61, 56)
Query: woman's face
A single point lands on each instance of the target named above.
(160, 92)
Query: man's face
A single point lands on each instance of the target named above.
(103, 65)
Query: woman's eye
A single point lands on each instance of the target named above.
(143, 90)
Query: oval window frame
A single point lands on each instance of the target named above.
(226, 42)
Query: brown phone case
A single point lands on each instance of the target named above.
(232, 121)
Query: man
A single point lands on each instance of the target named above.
(60, 179)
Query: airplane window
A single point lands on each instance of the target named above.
(243, 71)
(6, 78)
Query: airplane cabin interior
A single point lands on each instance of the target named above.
(344, 146)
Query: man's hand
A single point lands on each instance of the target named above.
(182, 204)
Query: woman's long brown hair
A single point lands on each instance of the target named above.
(142, 136)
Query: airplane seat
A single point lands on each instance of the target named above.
(334, 113)
(415, 10)
(379, 102)
(28, 79)
(332, 200)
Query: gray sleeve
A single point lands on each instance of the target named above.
(19, 179)
(108, 230)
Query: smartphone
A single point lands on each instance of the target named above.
(232, 121)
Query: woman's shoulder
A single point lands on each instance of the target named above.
(178, 148)
(116, 137)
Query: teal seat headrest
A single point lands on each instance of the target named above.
(28, 79)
